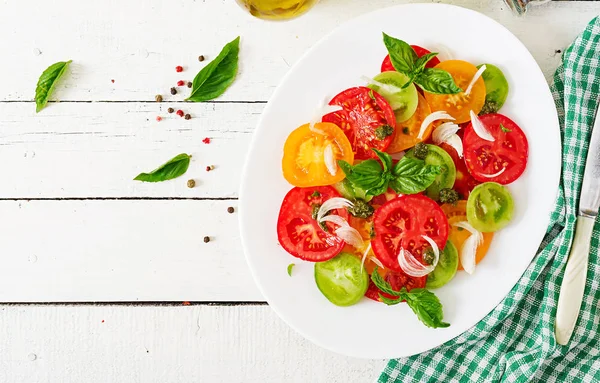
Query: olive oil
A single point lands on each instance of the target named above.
(277, 9)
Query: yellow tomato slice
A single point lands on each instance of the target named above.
(458, 236)
(304, 155)
(459, 105)
(406, 132)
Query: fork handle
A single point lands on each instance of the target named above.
(573, 284)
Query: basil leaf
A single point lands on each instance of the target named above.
(365, 175)
(437, 81)
(426, 306)
(388, 301)
(289, 268)
(411, 175)
(385, 158)
(174, 168)
(382, 284)
(214, 78)
(422, 61)
(47, 82)
(402, 56)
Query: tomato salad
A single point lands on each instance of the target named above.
(402, 183)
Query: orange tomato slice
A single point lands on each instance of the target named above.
(459, 105)
(304, 155)
(458, 236)
(407, 131)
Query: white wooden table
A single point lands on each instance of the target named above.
(77, 229)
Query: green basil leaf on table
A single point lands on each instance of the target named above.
(426, 306)
(47, 83)
(411, 175)
(174, 168)
(437, 81)
(402, 55)
(218, 75)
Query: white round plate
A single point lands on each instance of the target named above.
(370, 329)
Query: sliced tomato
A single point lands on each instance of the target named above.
(458, 236)
(407, 132)
(464, 182)
(402, 223)
(364, 110)
(299, 234)
(397, 280)
(459, 105)
(304, 155)
(387, 66)
(507, 153)
(379, 200)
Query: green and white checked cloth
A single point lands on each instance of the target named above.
(515, 342)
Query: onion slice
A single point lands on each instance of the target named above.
(495, 174)
(439, 115)
(411, 266)
(467, 226)
(389, 88)
(364, 257)
(480, 129)
(444, 53)
(376, 261)
(474, 79)
(468, 252)
(322, 110)
(332, 203)
(350, 235)
(443, 132)
(329, 160)
(334, 219)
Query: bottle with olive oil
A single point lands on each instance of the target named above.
(277, 9)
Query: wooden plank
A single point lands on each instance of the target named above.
(79, 150)
(164, 344)
(70, 251)
(139, 46)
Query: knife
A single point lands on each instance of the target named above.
(573, 284)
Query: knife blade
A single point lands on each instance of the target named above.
(590, 189)
(573, 284)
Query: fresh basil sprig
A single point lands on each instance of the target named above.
(174, 168)
(47, 82)
(405, 60)
(216, 77)
(408, 176)
(426, 306)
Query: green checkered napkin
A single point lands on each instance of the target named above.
(515, 342)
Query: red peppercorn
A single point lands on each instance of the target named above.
(180, 83)
(113, 81)
(179, 68)
(158, 118)
(180, 113)
(206, 140)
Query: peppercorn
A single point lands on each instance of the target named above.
(206, 239)
(158, 118)
(191, 183)
(230, 210)
(206, 140)
(179, 68)
(189, 84)
(170, 110)
(209, 168)
(188, 117)
(180, 113)
(173, 91)
(158, 98)
(201, 58)
(180, 83)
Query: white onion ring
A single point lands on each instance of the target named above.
(474, 79)
(439, 115)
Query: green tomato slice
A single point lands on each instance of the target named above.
(489, 207)
(341, 279)
(438, 156)
(446, 268)
(496, 89)
(404, 103)
(351, 192)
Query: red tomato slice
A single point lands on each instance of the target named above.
(386, 65)
(464, 182)
(401, 223)
(363, 112)
(397, 281)
(509, 151)
(299, 234)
